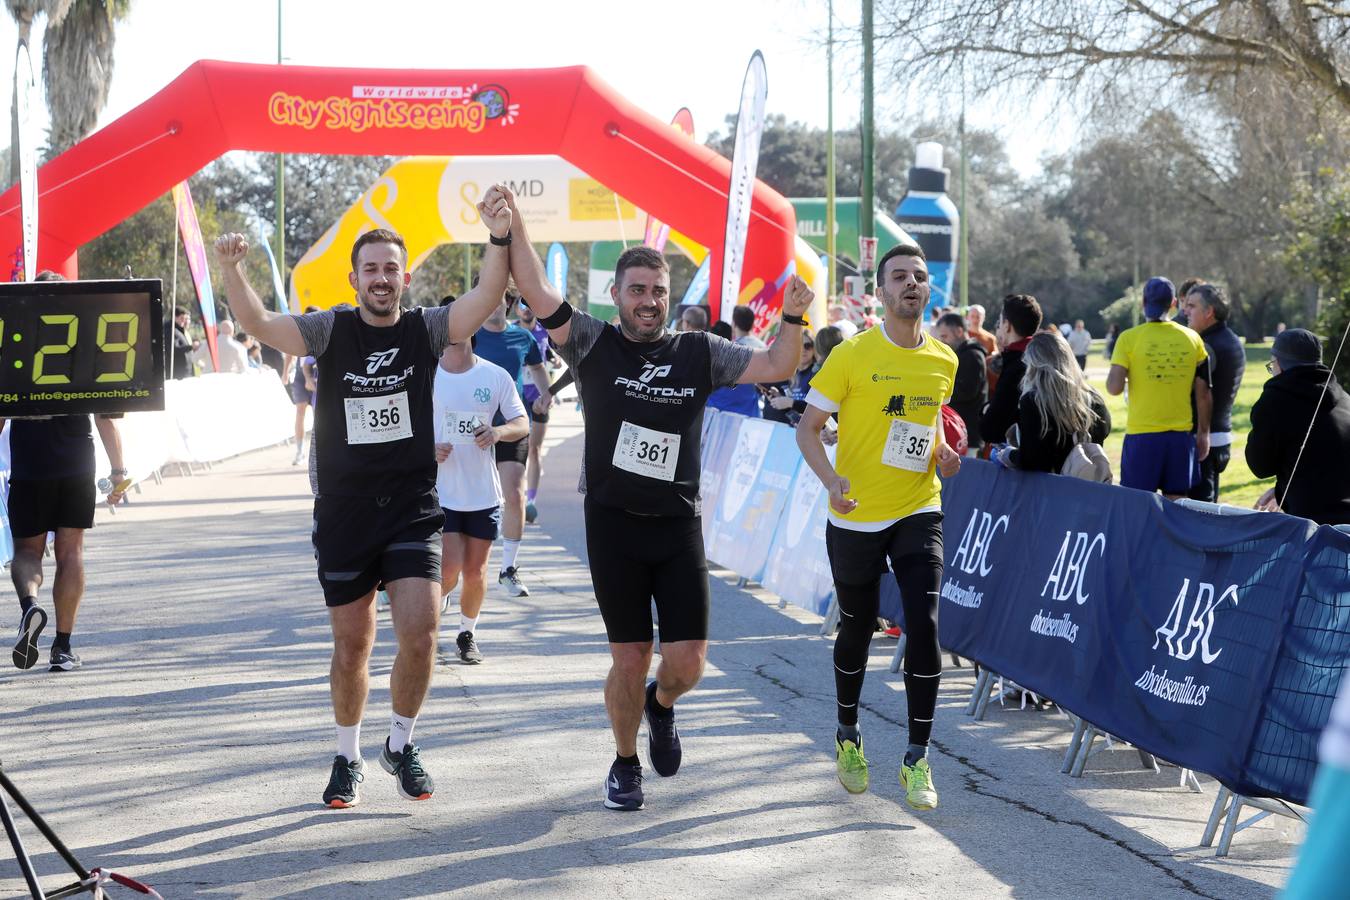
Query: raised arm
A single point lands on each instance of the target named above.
(273, 329)
(471, 310)
(531, 278)
(779, 361)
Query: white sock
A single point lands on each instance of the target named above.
(467, 624)
(509, 550)
(349, 741)
(400, 731)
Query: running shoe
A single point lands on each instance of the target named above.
(623, 787)
(413, 781)
(445, 602)
(382, 601)
(917, 780)
(531, 512)
(26, 647)
(468, 649)
(64, 661)
(511, 579)
(663, 740)
(299, 456)
(851, 765)
(341, 792)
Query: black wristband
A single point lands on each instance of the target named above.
(500, 242)
(558, 318)
(793, 320)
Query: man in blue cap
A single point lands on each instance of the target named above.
(1165, 364)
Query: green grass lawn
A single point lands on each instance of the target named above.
(1237, 485)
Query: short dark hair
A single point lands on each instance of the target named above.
(899, 250)
(1213, 297)
(379, 236)
(696, 315)
(743, 317)
(721, 329)
(641, 255)
(447, 300)
(49, 275)
(952, 320)
(1189, 285)
(1022, 313)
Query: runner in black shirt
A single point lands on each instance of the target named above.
(377, 520)
(643, 390)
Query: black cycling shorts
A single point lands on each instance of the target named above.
(514, 451)
(637, 559)
(40, 505)
(541, 418)
(363, 543)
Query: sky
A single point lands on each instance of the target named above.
(660, 56)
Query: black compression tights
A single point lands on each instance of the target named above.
(920, 578)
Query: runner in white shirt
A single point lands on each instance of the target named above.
(468, 393)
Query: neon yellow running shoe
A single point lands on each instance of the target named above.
(851, 765)
(917, 780)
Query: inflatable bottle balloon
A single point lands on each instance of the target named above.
(928, 215)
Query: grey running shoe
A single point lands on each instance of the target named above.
(468, 649)
(511, 579)
(663, 739)
(623, 787)
(413, 781)
(64, 661)
(342, 791)
(26, 648)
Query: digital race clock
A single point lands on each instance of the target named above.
(81, 347)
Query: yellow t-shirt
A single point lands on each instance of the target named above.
(889, 400)
(1161, 358)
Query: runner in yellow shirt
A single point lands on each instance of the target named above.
(887, 386)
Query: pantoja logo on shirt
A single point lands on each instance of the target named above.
(375, 361)
(650, 371)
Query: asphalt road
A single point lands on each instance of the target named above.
(193, 747)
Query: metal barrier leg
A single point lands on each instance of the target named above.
(983, 706)
(1230, 826)
(981, 688)
(1190, 782)
(1076, 741)
(831, 622)
(1084, 751)
(742, 582)
(1148, 761)
(899, 653)
(1216, 815)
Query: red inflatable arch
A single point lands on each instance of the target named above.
(214, 107)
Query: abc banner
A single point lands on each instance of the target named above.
(1154, 622)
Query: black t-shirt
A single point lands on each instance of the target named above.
(644, 404)
(373, 433)
(58, 447)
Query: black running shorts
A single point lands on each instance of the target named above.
(40, 505)
(637, 559)
(483, 524)
(362, 543)
(514, 451)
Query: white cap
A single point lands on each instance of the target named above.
(928, 155)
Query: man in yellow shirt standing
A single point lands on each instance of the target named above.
(887, 386)
(1164, 364)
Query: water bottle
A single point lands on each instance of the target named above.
(928, 216)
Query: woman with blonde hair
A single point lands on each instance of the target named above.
(1057, 409)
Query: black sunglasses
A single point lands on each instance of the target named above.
(807, 345)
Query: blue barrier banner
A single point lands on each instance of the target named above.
(719, 440)
(1156, 623)
(763, 462)
(798, 569)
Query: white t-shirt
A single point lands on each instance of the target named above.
(467, 480)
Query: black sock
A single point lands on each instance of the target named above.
(62, 641)
(628, 760)
(849, 733)
(654, 706)
(27, 603)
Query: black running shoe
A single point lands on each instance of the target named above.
(413, 781)
(64, 661)
(30, 626)
(663, 740)
(342, 792)
(468, 649)
(623, 787)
